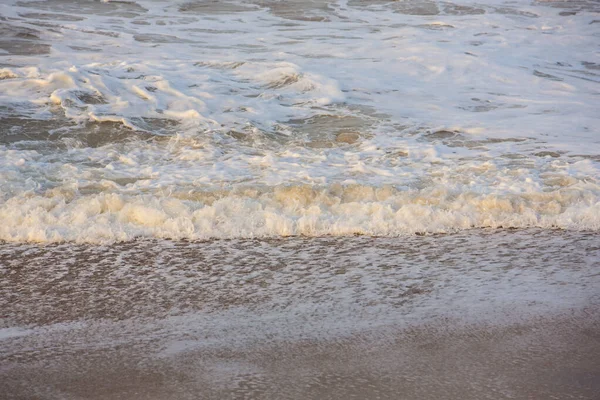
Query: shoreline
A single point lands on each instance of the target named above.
(533, 358)
(502, 314)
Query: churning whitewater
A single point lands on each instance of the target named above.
(236, 119)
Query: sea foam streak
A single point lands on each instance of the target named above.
(251, 119)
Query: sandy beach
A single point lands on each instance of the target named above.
(474, 315)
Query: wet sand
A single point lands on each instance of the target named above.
(542, 358)
(475, 315)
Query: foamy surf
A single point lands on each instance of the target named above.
(190, 120)
(289, 211)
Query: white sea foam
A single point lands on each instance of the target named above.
(197, 120)
(284, 211)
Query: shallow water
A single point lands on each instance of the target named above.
(197, 120)
(474, 315)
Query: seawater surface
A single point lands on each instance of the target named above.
(299, 199)
(241, 119)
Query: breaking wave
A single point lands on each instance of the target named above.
(290, 210)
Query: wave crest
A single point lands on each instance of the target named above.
(290, 210)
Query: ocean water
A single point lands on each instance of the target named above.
(299, 199)
(247, 119)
